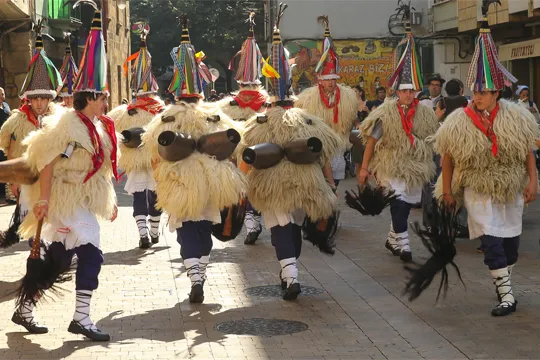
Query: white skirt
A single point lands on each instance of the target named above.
(338, 166)
(80, 229)
(139, 180)
(411, 196)
(486, 218)
(272, 218)
(210, 214)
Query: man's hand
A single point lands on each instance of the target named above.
(529, 195)
(115, 213)
(41, 209)
(15, 189)
(362, 177)
(449, 200)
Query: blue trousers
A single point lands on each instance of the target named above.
(287, 240)
(89, 263)
(195, 239)
(499, 252)
(144, 203)
(399, 210)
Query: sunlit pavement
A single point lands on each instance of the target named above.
(354, 308)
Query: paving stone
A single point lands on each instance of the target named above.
(357, 312)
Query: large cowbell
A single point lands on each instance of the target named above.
(263, 156)
(303, 151)
(178, 146)
(300, 151)
(131, 138)
(220, 144)
(174, 146)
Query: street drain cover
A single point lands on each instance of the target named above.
(275, 291)
(261, 327)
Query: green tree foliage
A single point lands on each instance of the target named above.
(216, 27)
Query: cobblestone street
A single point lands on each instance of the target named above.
(352, 306)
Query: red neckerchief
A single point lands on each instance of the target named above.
(147, 104)
(252, 98)
(27, 109)
(97, 156)
(326, 101)
(480, 121)
(407, 121)
(109, 128)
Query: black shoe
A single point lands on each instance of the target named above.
(504, 309)
(155, 240)
(32, 327)
(292, 292)
(196, 296)
(144, 243)
(395, 250)
(94, 335)
(252, 237)
(406, 256)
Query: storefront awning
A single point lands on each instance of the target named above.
(520, 50)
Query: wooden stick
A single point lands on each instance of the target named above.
(36, 245)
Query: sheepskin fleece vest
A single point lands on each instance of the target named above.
(395, 157)
(502, 177)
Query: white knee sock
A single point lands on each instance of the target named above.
(193, 270)
(403, 241)
(203, 264)
(289, 271)
(154, 226)
(27, 312)
(392, 239)
(82, 309)
(141, 224)
(510, 268)
(252, 222)
(501, 279)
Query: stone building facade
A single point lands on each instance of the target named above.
(118, 49)
(15, 56)
(16, 41)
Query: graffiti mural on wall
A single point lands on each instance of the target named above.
(367, 63)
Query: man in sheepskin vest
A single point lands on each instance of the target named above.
(75, 156)
(491, 169)
(135, 160)
(397, 153)
(40, 87)
(283, 202)
(192, 185)
(251, 99)
(335, 104)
